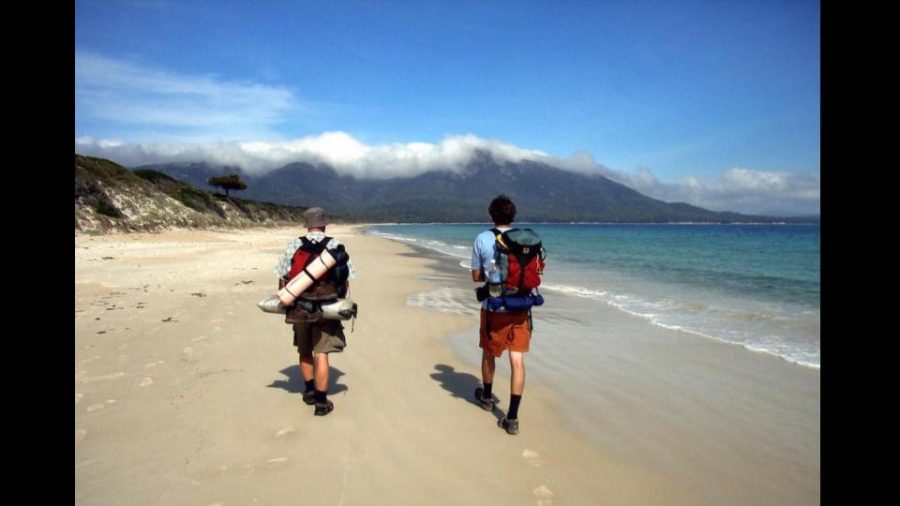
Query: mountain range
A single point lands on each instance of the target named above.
(542, 193)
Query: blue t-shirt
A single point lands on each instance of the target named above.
(483, 252)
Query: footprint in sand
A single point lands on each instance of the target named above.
(284, 432)
(89, 360)
(95, 407)
(198, 338)
(78, 397)
(531, 457)
(187, 350)
(277, 461)
(146, 382)
(80, 434)
(104, 377)
(544, 496)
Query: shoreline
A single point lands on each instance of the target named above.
(563, 286)
(714, 400)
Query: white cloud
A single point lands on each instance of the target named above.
(161, 104)
(338, 149)
(207, 115)
(738, 190)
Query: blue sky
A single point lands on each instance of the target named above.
(711, 102)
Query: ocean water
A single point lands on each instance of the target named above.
(756, 286)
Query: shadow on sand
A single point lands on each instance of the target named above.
(461, 385)
(294, 383)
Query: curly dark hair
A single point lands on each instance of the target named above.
(502, 210)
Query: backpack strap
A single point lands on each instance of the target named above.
(315, 250)
(498, 236)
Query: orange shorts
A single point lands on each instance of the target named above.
(508, 331)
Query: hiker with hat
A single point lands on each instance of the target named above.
(314, 336)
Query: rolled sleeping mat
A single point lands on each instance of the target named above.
(341, 309)
(306, 278)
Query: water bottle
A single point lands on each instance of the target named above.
(495, 288)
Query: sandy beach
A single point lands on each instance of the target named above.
(186, 393)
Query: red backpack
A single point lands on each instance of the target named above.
(520, 256)
(333, 284)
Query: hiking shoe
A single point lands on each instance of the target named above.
(486, 404)
(309, 397)
(510, 425)
(323, 408)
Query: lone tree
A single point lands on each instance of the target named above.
(229, 182)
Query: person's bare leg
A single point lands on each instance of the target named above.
(323, 405)
(321, 371)
(488, 366)
(516, 387)
(306, 368)
(517, 379)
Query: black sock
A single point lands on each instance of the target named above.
(321, 397)
(486, 393)
(514, 401)
(310, 385)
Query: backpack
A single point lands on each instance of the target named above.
(333, 284)
(519, 254)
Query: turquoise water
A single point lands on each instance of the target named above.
(757, 286)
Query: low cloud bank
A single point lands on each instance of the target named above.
(739, 190)
(340, 150)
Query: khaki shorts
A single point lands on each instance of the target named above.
(508, 331)
(323, 336)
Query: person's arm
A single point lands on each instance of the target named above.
(477, 269)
